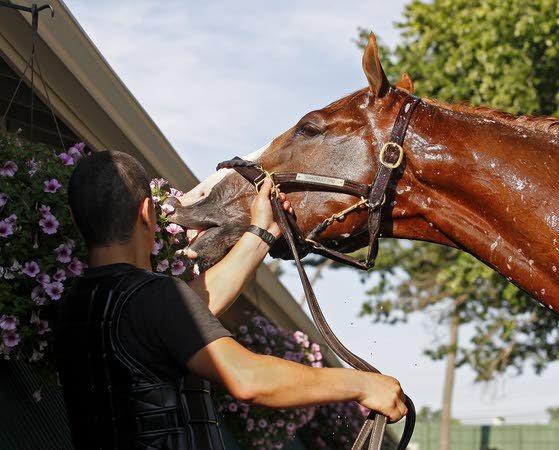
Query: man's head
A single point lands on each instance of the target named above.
(106, 193)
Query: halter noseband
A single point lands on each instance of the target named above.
(373, 197)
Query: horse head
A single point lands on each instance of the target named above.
(472, 178)
(340, 140)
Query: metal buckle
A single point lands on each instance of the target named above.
(400, 156)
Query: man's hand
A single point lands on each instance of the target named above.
(384, 394)
(261, 209)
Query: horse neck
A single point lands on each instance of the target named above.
(487, 186)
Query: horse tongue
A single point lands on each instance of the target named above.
(191, 234)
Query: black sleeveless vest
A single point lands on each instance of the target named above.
(112, 400)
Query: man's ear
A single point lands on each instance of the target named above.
(405, 83)
(145, 212)
(373, 70)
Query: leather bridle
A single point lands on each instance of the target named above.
(370, 196)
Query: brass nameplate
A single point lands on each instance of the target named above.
(319, 179)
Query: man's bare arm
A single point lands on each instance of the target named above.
(277, 383)
(220, 285)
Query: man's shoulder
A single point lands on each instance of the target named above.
(164, 289)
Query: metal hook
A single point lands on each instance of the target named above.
(40, 8)
(27, 8)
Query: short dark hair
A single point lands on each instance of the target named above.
(105, 192)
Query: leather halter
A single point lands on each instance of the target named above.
(373, 196)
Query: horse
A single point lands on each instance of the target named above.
(472, 178)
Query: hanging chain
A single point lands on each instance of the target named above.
(33, 58)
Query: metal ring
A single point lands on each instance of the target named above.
(400, 156)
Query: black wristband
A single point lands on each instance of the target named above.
(266, 236)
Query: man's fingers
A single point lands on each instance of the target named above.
(265, 188)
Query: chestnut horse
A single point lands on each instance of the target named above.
(473, 178)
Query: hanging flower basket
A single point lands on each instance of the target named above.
(40, 249)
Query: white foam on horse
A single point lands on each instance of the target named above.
(205, 187)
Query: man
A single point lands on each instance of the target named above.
(134, 347)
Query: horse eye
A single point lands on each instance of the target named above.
(309, 130)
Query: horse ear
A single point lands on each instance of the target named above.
(405, 83)
(371, 65)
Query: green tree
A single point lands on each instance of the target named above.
(499, 54)
(503, 55)
(553, 414)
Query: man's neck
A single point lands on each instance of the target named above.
(113, 254)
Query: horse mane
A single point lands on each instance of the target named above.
(543, 124)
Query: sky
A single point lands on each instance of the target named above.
(223, 78)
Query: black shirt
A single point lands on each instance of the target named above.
(164, 324)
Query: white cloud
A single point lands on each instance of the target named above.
(223, 77)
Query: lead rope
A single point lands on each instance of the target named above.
(391, 156)
(375, 424)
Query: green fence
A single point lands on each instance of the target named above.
(486, 437)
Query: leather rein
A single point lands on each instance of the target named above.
(371, 197)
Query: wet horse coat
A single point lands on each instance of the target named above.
(473, 178)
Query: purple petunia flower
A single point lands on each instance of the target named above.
(10, 339)
(262, 423)
(299, 337)
(66, 159)
(49, 224)
(60, 275)
(173, 228)
(315, 347)
(51, 186)
(162, 266)
(177, 267)
(157, 246)
(167, 209)
(44, 209)
(290, 427)
(43, 278)
(54, 290)
(63, 253)
(233, 407)
(9, 169)
(11, 219)
(79, 146)
(3, 199)
(6, 229)
(43, 327)
(243, 329)
(38, 295)
(8, 323)
(76, 151)
(33, 167)
(31, 269)
(76, 267)
(176, 193)
(158, 183)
